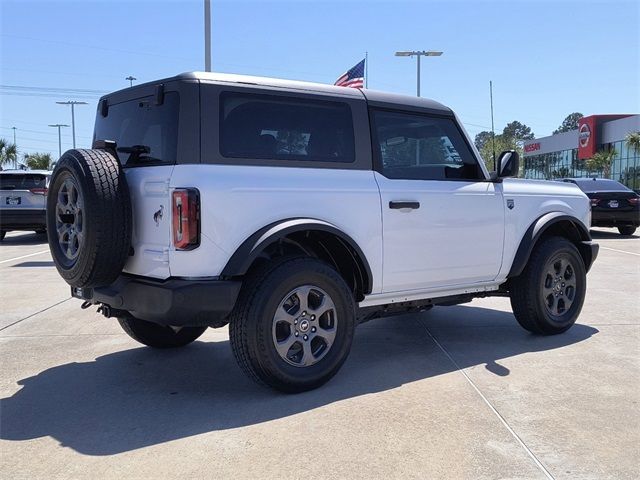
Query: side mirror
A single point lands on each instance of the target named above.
(508, 164)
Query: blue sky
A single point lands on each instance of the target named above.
(546, 58)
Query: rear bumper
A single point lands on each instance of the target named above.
(27, 219)
(175, 301)
(615, 218)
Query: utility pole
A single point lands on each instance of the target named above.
(131, 79)
(59, 126)
(15, 159)
(73, 118)
(207, 35)
(418, 54)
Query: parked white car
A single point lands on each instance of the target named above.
(293, 211)
(23, 200)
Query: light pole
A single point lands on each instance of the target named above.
(207, 35)
(59, 126)
(14, 134)
(73, 117)
(131, 79)
(418, 54)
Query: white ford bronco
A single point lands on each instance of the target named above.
(292, 211)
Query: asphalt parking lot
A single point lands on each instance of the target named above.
(456, 392)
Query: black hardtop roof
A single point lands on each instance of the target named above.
(374, 97)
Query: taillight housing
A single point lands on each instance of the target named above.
(186, 218)
(633, 200)
(38, 191)
(595, 202)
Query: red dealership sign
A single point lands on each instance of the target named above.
(587, 141)
(532, 147)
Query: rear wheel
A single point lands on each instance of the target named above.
(293, 324)
(547, 296)
(159, 336)
(627, 230)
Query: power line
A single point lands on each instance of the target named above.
(53, 89)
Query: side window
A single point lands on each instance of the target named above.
(285, 128)
(419, 147)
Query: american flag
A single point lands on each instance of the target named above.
(354, 77)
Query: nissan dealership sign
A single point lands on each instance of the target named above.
(584, 135)
(587, 140)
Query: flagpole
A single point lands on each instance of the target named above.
(366, 69)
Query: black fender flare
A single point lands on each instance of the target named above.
(579, 232)
(252, 247)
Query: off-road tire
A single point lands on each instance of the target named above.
(106, 217)
(159, 336)
(628, 230)
(526, 290)
(250, 324)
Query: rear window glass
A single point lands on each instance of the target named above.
(20, 181)
(600, 185)
(285, 128)
(145, 133)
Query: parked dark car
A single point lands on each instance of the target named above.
(23, 200)
(612, 204)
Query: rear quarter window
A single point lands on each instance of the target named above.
(145, 133)
(25, 181)
(285, 128)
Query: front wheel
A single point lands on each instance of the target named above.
(159, 336)
(547, 296)
(627, 230)
(293, 324)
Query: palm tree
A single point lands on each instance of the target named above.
(8, 152)
(601, 162)
(38, 161)
(633, 141)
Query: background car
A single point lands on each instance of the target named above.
(23, 200)
(612, 204)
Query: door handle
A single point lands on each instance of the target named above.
(398, 205)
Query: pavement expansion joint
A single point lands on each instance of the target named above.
(34, 314)
(532, 455)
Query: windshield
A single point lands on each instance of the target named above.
(145, 133)
(600, 185)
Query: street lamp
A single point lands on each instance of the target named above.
(207, 35)
(59, 126)
(131, 79)
(418, 54)
(73, 118)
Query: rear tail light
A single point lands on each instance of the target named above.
(633, 200)
(595, 202)
(38, 191)
(186, 218)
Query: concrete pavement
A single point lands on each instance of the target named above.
(456, 392)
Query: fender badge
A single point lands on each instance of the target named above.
(510, 203)
(158, 216)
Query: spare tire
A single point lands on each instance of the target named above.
(89, 218)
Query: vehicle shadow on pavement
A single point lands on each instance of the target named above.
(141, 397)
(26, 239)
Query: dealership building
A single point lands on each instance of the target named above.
(564, 154)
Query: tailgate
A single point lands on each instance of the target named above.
(151, 213)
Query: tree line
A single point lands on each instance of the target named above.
(34, 161)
